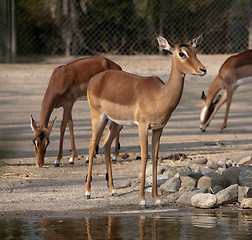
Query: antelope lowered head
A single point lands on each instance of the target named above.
(207, 110)
(41, 140)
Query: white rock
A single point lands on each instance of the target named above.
(204, 200)
(246, 203)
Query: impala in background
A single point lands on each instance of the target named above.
(67, 84)
(235, 71)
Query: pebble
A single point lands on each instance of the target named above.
(246, 203)
(123, 184)
(213, 165)
(245, 161)
(244, 192)
(200, 160)
(171, 171)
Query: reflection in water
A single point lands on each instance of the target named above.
(168, 225)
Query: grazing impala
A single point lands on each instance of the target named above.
(235, 71)
(147, 102)
(68, 83)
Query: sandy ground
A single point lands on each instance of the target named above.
(28, 190)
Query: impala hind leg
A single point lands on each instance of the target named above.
(97, 129)
(156, 134)
(143, 139)
(117, 143)
(114, 131)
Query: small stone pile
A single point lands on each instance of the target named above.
(205, 184)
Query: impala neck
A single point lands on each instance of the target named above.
(174, 87)
(46, 110)
(214, 88)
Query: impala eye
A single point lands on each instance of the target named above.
(182, 55)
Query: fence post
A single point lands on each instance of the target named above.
(66, 11)
(161, 20)
(13, 33)
(250, 26)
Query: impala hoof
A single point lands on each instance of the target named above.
(202, 128)
(158, 204)
(114, 193)
(142, 204)
(114, 159)
(71, 161)
(56, 163)
(87, 160)
(88, 195)
(142, 207)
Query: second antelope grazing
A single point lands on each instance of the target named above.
(128, 99)
(67, 84)
(235, 71)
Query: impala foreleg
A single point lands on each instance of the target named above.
(216, 109)
(228, 104)
(156, 134)
(66, 113)
(114, 131)
(97, 129)
(143, 139)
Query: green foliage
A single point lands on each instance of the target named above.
(113, 27)
(128, 26)
(37, 32)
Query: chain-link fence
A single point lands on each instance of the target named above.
(91, 27)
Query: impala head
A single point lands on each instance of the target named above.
(207, 110)
(184, 55)
(41, 140)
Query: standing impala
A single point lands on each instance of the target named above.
(147, 102)
(235, 71)
(67, 84)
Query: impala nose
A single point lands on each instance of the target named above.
(39, 164)
(202, 128)
(203, 71)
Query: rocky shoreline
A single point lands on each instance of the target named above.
(205, 184)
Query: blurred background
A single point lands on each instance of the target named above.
(32, 30)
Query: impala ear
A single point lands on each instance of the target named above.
(197, 41)
(203, 96)
(33, 124)
(166, 45)
(49, 128)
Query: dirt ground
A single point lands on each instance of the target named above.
(28, 190)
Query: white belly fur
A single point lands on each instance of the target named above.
(122, 122)
(131, 123)
(242, 81)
